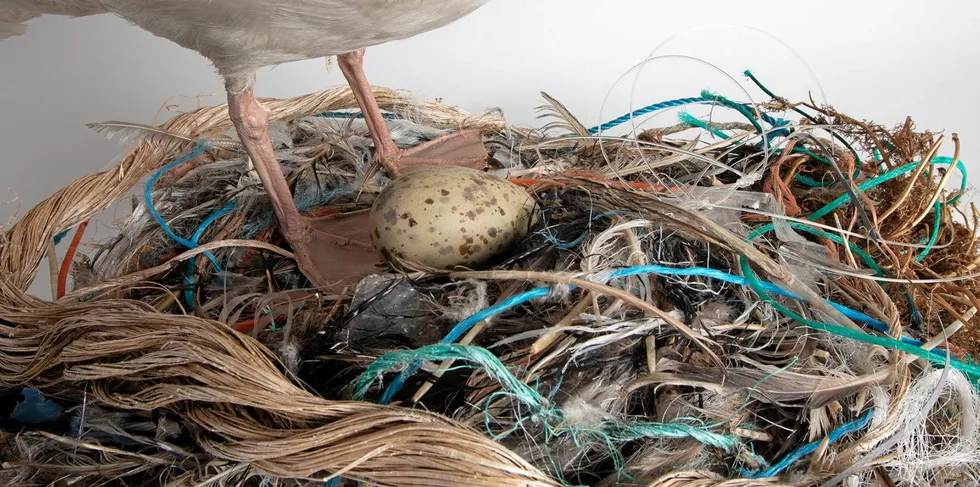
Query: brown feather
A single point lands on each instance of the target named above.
(566, 121)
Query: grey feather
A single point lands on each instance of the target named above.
(129, 131)
(765, 383)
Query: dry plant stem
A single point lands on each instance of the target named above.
(948, 307)
(546, 340)
(780, 189)
(597, 289)
(915, 177)
(53, 269)
(798, 160)
(846, 239)
(939, 188)
(970, 297)
(947, 332)
(547, 359)
(650, 343)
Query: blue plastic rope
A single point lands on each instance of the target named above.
(775, 122)
(834, 436)
(190, 278)
(459, 330)
(148, 198)
(645, 110)
(61, 236)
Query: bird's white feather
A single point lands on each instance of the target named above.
(241, 36)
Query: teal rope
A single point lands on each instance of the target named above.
(888, 176)
(643, 111)
(937, 210)
(543, 411)
(809, 117)
(808, 449)
(870, 184)
(721, 100)
(970, 370)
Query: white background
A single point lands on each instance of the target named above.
(876, 59)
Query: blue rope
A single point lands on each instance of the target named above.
(148, 198)
(834, 436)
(191, 273)
(741, 281)
(553, 240)
(464, 326)
(61, 236)
(774, 122)
(645, 110)
(459, 330)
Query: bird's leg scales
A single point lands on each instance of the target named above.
(251, 121)
(333, 253)
(463, 148)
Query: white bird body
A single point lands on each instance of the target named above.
(241, 36)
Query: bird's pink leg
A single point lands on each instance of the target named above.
(464, 148)
(334, 253)
(251, 121)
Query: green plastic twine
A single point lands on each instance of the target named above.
(870, 184)
(482, 357)
(543, 411)
(937, 210)
(748, 73)
(697, 122)
(721, 100)
(888, 176)
(972, 371)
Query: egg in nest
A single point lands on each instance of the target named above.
(446, 216)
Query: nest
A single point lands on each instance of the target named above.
(760, 302)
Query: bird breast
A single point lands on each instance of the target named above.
(240, 36)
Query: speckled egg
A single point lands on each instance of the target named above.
(446, 216)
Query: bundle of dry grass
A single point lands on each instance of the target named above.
(756, 302)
